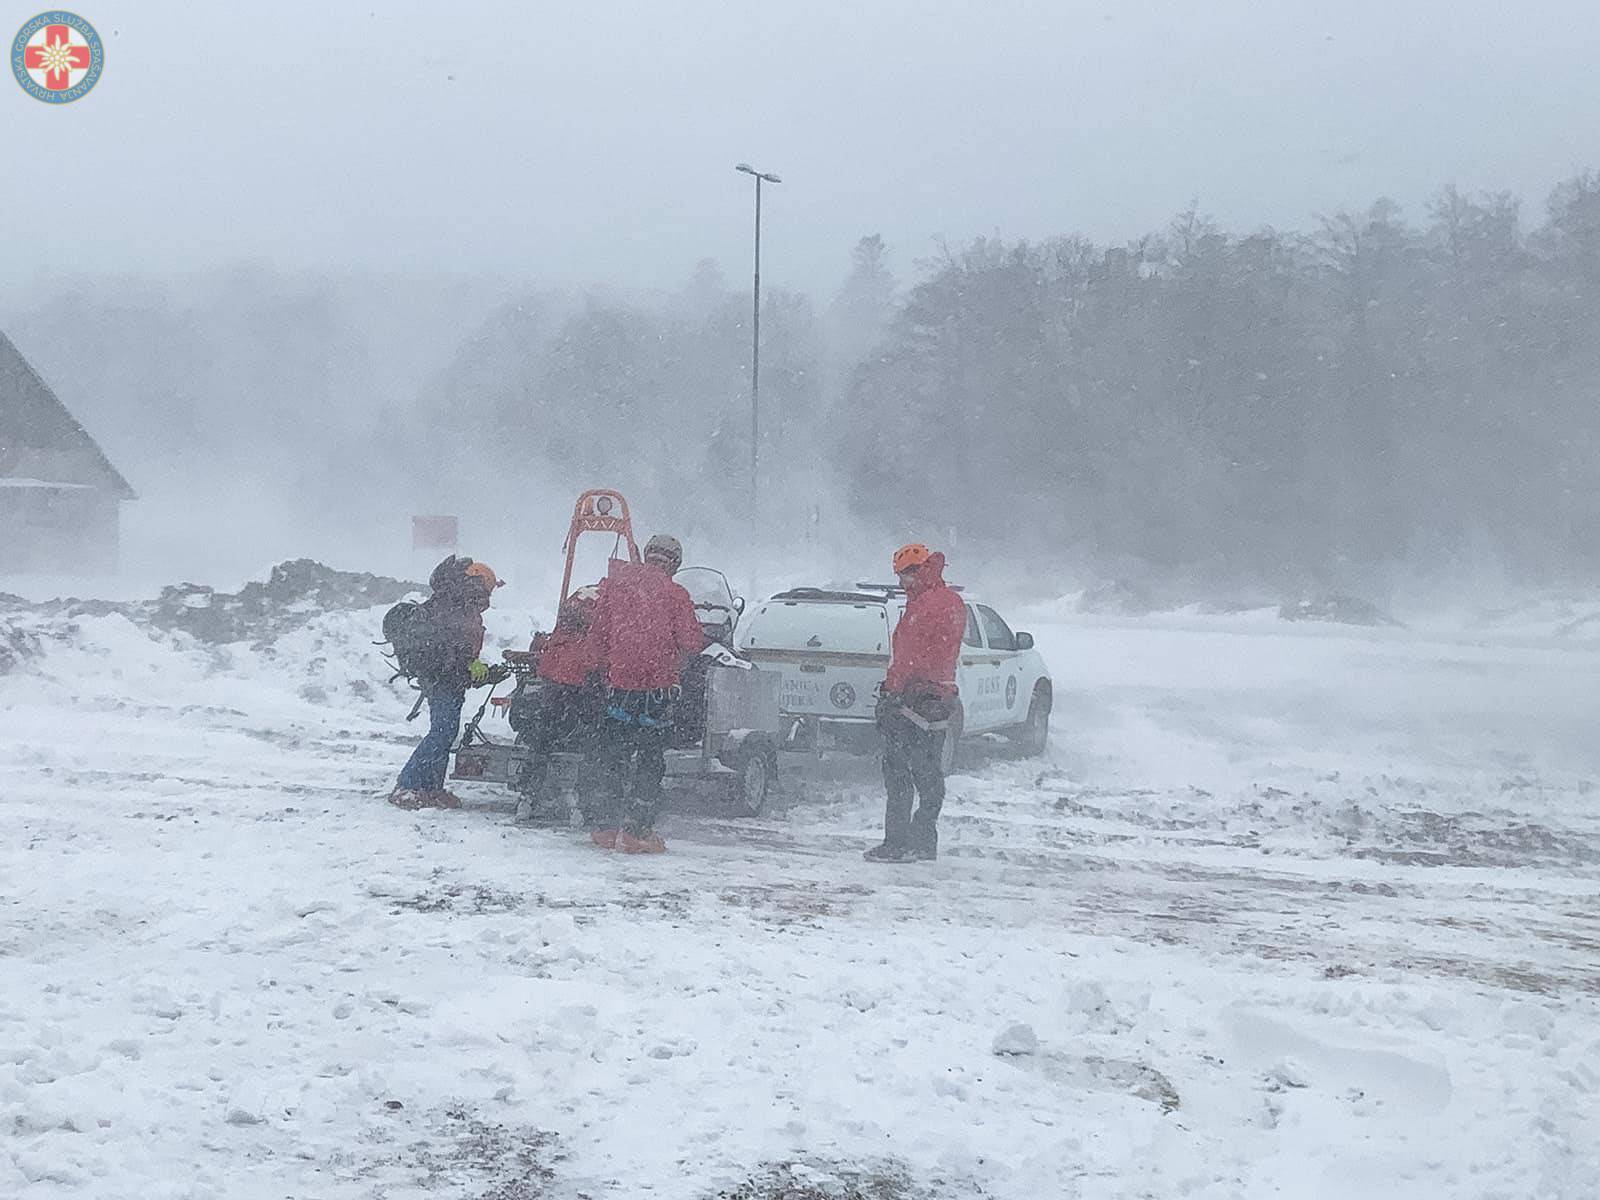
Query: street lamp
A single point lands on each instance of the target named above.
(755, 342)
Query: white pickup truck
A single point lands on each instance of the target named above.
(831, 646)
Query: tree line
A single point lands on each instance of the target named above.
(1292, 410)
(1197, 408)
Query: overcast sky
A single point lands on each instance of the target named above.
(595, 141)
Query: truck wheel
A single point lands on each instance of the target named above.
(1033, 736)
(952, 742)
(755, 767)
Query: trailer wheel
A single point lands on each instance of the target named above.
(755, 767)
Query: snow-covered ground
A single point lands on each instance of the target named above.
(1290, 911)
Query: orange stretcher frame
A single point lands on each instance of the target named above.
(598, 510)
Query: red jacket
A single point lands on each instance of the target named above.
(644, 627)
(567, 657)
(927, 642)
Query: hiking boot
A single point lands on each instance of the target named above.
(606, 839)
(406, 798)
(438, 799)
(885, 853)
(647, 843)
(925, 853)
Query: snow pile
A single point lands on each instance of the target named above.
(292, 595)
(1124, 599)
(1118, 597)
(16, 644)
(1562, 615)
(1339, 608)
(307, 635)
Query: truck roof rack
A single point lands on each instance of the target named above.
(894, 589)
(863, 593)
(832, 595)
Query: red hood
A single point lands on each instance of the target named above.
(928, 576)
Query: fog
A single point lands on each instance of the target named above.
(1248, 304)
(1232, 832)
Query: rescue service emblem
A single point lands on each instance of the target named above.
(57, 57)
(843, 695)
(1011, 692)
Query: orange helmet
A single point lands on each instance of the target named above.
(910, 557)
(484, 572)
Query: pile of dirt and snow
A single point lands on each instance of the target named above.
(293, 594)
(1125, 599)
(309, 620)
(307, 629)
(16, 644)
(1571, 616)
(1117, 597)
(1338, 608)
(259, 613)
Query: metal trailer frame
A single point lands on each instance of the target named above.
(738, 749)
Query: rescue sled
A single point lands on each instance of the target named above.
(728, 720)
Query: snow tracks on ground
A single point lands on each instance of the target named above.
(1234, 937)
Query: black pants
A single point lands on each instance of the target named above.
(565, 719)
(635, 734)
(912, 770)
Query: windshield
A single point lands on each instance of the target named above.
(706, 586)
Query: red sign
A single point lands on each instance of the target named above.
(434, 533)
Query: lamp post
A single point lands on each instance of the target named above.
(755, 341)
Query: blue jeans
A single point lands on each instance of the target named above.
(425, 770)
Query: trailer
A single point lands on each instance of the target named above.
(727, 739)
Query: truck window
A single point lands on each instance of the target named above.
(971, 638)
(997, 631)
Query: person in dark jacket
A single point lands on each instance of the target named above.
(645, 626)
(461, 589)
(915, 704)
(568, 698)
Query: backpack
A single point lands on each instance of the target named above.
(408, 629)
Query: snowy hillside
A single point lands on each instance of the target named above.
(1287, 910)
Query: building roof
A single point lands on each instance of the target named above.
(40, 442)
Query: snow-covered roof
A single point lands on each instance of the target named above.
(7, 482)
(40, 441)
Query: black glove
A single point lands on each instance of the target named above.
(889, 706)
(498, 674)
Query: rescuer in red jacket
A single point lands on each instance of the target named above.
(915, 704)
(644, 628)
(568, 706)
